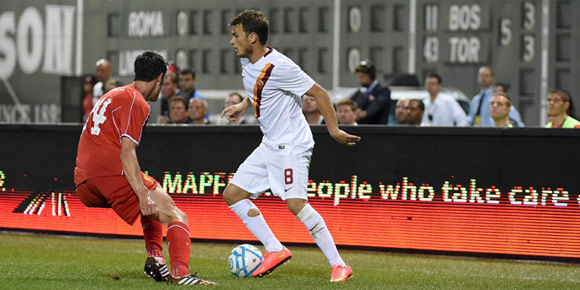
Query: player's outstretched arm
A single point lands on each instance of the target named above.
(234, 112)
(327, 109)
(132, 172)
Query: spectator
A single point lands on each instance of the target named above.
(177, 111)
(168, 91)
(373, 103)
(346, 112)
(399, 117)
(479, 109)
(442, 110)
(561, 110)
(500, 88)
(500, 109)
(104, 73)
(197, 111)
(111, 84)
(233, 98)
(187, 84)
(311, 111)
(87, 102)
(414, 111)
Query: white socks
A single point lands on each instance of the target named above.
(257, 225)
(308, 216)
(320, 233)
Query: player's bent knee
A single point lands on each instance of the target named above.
(173, 215)
(167, 209)
(176, 215)
(182, 216)
(233, 194)
(295, 205)
(228, 195)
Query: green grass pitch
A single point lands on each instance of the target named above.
(48, 262)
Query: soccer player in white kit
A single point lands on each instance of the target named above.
(275, 85)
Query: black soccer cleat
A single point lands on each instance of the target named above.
(156, 270)
(191, 280)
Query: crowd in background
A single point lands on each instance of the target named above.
(181, 103)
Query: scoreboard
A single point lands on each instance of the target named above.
(456, 38)
(529, 44)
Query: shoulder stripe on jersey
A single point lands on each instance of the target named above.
(130, 113)
(270, 49)
(115, 122)
(259, 86)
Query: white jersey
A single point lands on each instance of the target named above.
(275, 85)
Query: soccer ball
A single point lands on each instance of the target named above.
(244, 260)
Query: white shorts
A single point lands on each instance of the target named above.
(283, 170)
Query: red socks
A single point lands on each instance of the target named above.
(153, 234)
(178, 242)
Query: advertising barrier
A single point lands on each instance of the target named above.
(487, 191)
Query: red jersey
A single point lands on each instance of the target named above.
(122, 112)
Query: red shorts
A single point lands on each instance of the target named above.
(116, 193)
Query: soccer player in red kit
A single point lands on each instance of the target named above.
(107, 172)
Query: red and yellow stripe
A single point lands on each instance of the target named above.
(259, 86)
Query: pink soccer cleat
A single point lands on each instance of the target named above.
(340, 273)
(272, 261)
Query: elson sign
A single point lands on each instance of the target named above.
(30, 42)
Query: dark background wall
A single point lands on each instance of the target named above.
(452, 37)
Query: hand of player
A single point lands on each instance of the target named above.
(345, 138)
(147, 206)
(233, 112)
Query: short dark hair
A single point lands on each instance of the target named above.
(366, 67)
(434, 75)
(253, 21)
(502, 85)
(178, 99)
(566, 97)
(188, 71)
(420, 103)
(148, 66)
